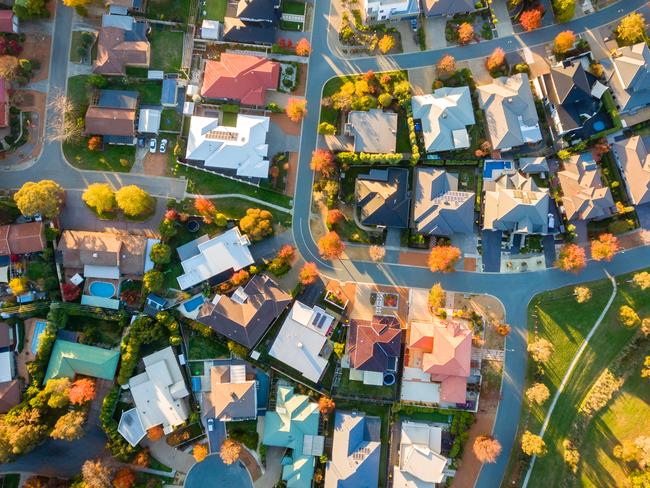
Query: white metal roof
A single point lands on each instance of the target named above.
(106, 272)
(130, 427)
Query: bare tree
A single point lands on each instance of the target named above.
(63, 122)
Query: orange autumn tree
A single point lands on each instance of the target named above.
(326, 405)
(322, 161)
(330, 246)
(303, 48)
(200, 452)
(604, 248)
(155, 433)
(486, 448)
(81, 391)
(94, 143)
(230, 451)
(531, 19)
(296, 109)
(496, 59)
(465, 33)
(334, 216)
(239, 277)
(444, 258)
(286, 253)
(386, 43)
(564, 42)
(124, 478)
(308, 274)
(571, 258)
(446, 65)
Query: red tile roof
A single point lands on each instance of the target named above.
(21, 238)
(6, 21)
(374, 345)
(9, 395)
(240, 77)
(105, 121)
(114, 53)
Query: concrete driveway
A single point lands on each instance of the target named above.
(421, 80)
(434, 29)
(409, 40)
(491, 244)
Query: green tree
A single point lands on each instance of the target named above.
(628, 317)
(257, 223)
(69, 427)
(43, 197)
(100, 197)
(160, 253)
(153, 281)
(385, 99)
(326, 128)
(167, 229)
(134, 201)
(98, 81)
(564, 9)
(237, 349)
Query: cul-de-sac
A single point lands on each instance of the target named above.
(324, 244)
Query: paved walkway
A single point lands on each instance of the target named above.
(243, 197)
(177, 460)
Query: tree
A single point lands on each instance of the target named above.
(322, 161)
(604, 248)
(326, 128)
(287, 253)
(330, 246)
(334, 216)
(631, 30)
(133, 201)
(257, 223)
(70, 292)
(76, 3)
(532, 445)
(64, 124)
(230, 451)
(8, 67)
(538, 393)
(303, 48)
(18, 285)
(296, 109)
(43, 197)
(155, 433)
(564, 41)
(308, 274)
(385, 99)
(436, 298)
(645, 326)
(69, 427)
(152, 281)
(540, 350)
(465, 33)
(496, 59)
(326, 405)
(444, 258)
(486, 448)
(204, 206)
(386, 43)
(645, 370)
(160, 253)
(571, 258)
(124, 478)
(57, 392)
(377, 253)
(239, 277)
(167, 229)
(582, 294)
(446, 65)
(642, 280)
(237, 349)
(531, 19)
(94, 143)
(200, 452)
(628, 317)
(82, 391)
(96, 474)
(100, 197)
(564, 9)
(571, 455)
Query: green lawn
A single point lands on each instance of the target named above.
(174, 10)
(76, 46)
(349, 387)
(235, 208)
(565, 323)
(229, 119)
(403, 144)
(166, 50)
(245, 432)
(149, 90)
(290, 26)
(216, 9)
(93, 331)
(207, 348)
(112, 158)
(291, 7)
(170, 120)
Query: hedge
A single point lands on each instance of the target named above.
(118, 446)
(347, 157)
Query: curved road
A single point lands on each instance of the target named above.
(514, 290)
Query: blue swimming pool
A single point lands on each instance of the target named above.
(599, 125)
(193, 303)
(39, 327)
(213, 473)
(492, 166)
(102, 289)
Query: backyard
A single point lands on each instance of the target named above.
(170, 120)
(174, 10)
(201, 347)
(216, 9)
(293, 8)
(166, 49)
(354, 388)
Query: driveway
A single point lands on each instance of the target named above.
(279, 138)
(434, 29)
(409, 39)
(422, 79)
(491, 244)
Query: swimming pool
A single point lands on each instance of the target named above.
(102, 289)
(39, 327)
(492, 166)
(193, 303)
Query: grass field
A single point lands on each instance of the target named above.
(112, 158)
(216, 9)
(291, 7)
(166, 50)
(170, 120)
(176, 10)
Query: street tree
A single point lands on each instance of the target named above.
(571, 258)
(376, 253)
(486, 448)
(69, 427)
(100, 197)
(564, 41)
(257, 223)
(538, 393)
(582, 294)
(540, 350)
(436, 298)
(446, 65)
(443, 258)
(200, 452)
(631, 29)
(308, 274)
(533, 445)
(531, 19)
(96, 474)
(642, 280)
(465, 33)
(43, 198)
(604, 248)
(230, 451)
(296, 109)
(330, 246)
(322, 161)
(628, 316)
(303, 48)
(134, 201)
(496, 60)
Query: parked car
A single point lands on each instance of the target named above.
(163, 146)
(210, 425)
(152, 145)
(414, 25)
(140, 141)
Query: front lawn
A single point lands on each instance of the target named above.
(170, 120)
(244, 432)
(174, 10)
(111, 158)
(201, 347)
(216, 9)
(166, 50)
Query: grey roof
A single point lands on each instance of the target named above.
(445, 114)
(191, 249)
(514, 203)
(130, 427)
(374, 131)
(118, 99)
(630, 80)
(149, 121)
(356, 452)
(439, 208)
(584, 195)
(634, 160)
(382, 197)
(510, 112)
(236, 30)
(447, 7)
(533, 165)
(258, 10)
(169, 91)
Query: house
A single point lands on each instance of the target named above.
(381, 10)
(4, 103)
(7, 360)
(447, 8)
(160, 397)
(439, 208)
(233, 393)
(245, 316)
(445, 115)
(122, 42)
(240, 77)
(514, 203)
(255, 22)
(356, 450)
(69, 359)
(420, 463)
(630, 78)
(534, 165)
(303, 343)
(112, 116)
(437, 360)
(294, 425)
(510, 113)
(154, 304)
(573, 95)
(10, 395)
(9, 22)
(22, 238)
(213, 259)
(374, 131)
(633, 159)
(169, 94)
(210, 29)
(240, 151)
(374, 348)
(382, 197)
(149, 121)
(584, 195)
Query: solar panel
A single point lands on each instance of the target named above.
(317, 317)
(322, 321)
(222, 135)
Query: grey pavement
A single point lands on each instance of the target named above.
(174, 458)
(504, 25)
(267, 248)
(434, 31)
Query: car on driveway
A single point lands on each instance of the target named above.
(163, 146)
(152, 145)
(210, 425)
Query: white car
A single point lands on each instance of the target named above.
(152, 145)
(163, 146)
(210, 425)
